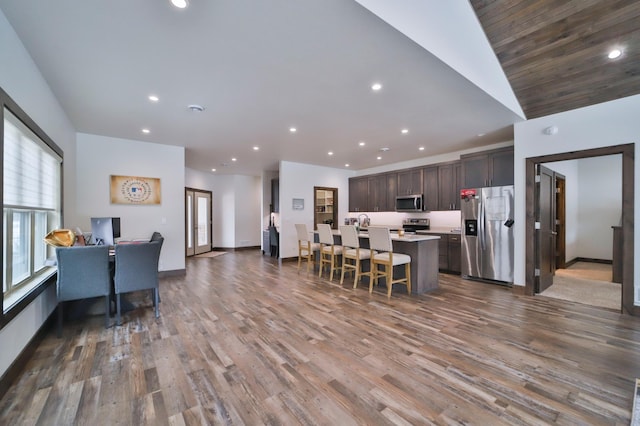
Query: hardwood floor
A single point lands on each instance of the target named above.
(242, 340)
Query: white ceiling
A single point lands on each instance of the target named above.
(259, 68)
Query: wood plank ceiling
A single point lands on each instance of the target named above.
(554, 53)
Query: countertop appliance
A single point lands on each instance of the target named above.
(409, 203)
(487, 233)
(413, 225)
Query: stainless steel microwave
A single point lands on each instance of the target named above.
(409, 203)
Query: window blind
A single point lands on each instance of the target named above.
(31, 170)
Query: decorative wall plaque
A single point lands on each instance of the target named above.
(135, 190)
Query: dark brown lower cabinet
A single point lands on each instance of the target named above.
(449, 253)
(454, 253)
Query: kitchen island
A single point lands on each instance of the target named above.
(424, 252)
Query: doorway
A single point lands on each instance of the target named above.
(325, 206)
(532, 265)
(198, 221)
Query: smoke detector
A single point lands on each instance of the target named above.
(195, 108)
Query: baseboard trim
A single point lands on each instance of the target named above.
(172, 273)
(236, 248)
(588, 260)
(18, 365)
(519, 290)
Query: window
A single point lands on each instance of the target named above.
(32, 207)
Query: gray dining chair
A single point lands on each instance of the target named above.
(83, 273)
(136, 270)
(156, 236)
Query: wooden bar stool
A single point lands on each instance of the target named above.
(306, 247)
(329, 252)
(380, 240)
(353, 255)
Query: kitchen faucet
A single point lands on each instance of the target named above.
(365, 222)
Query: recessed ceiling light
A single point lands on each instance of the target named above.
(154, 98)
(378, 158)
(213, 170)
(256, 148)
(480, 135)
(293, 129)
(180, 4)
(421, 148)
(330, 153)
(405, 131)
(376, 86)
(196, 108)
(146, 131)
(361, 143)
(234, 159)
(346, 165)
(614, 53)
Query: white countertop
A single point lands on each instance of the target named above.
(409, 237)
(395, 237)
(439, 230)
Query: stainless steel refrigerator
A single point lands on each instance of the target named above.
(487, 233)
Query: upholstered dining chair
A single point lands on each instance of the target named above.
(137, 269)
(330, 252)
(156, 236)
(274, 242)
(353, 255)
(380, 241)
(306, 247)
(83, 272)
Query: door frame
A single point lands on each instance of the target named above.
(335, 206)
(561, 221)
(628, 176)
(193, 213)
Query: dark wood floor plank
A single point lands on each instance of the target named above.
(243, 339)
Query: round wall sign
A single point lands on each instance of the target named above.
(135, 190)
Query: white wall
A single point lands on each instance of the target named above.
(606, 124)
(435, 159)
(594, 203)
(599, 205)
(297, 181)
(100, 156)
(248, 204)
(22, 80)
(236, 203)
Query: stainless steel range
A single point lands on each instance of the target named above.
(413, 225)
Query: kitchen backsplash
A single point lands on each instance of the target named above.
(440, 219)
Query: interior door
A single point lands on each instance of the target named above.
(546, 233)
(199, 221)
(561, 217)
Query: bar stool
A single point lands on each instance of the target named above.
(329, 252)
(306, 247)
(351, 251)
(380, 240)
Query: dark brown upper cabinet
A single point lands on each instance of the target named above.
(430, 188)
(449, 186)
(489, 168)
(358, 194)
(377, 193)
(410, 182)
